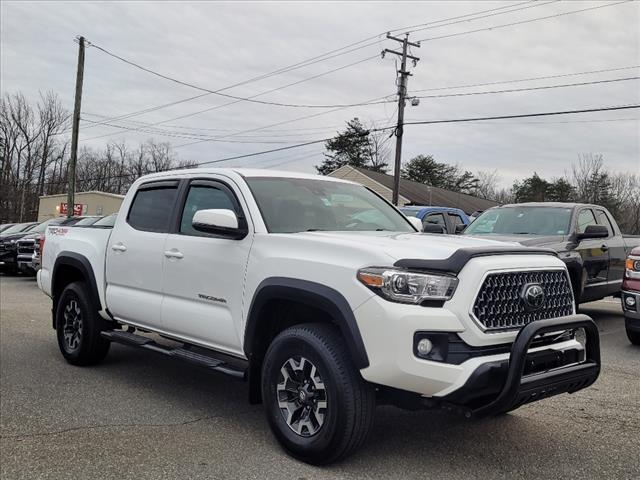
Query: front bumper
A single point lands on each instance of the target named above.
(631, 313)
(498, 387)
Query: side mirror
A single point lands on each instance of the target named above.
(221, 222)
(433, 228)
(593, 231)
(416, 222)
(460, 228)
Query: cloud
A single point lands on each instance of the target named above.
(219, 44)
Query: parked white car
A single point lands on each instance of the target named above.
(323, 297)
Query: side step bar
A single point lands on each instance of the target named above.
(205, 361)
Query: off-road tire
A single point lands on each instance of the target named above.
(89, 347)
(350, 400)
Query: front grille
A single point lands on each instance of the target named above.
(500, 306)
(25, 248)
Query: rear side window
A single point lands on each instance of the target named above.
(151, 209)
(203, 198)
(455, 219)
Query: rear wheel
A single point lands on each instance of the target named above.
(317, 404)
(78, 327)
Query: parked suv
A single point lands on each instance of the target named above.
(631, 296)
(323, 297)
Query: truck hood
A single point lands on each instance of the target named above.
(555, 242)
(402, 245)
(13, 236)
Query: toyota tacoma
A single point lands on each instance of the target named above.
(323, 297)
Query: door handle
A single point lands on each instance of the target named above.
(604, 247)
(173, 253)
(118, 247)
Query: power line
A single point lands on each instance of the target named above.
(544, 87)
(217, 92)
(331, 54)
(546, 77)
(525, 115)
(495, 27)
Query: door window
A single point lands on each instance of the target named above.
(436, 218)
(455, 219)
(203, 198)
(151, 209)
(585, 218)
(603, 219)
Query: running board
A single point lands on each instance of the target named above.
(183, 354)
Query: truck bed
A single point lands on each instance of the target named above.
(88, 242)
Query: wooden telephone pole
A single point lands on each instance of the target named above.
(75, 126)
(402, 95)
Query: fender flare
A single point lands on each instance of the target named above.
(82, 264)
(315, 295)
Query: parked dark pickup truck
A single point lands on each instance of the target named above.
(586, 237)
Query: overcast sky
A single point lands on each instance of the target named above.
(218, 44)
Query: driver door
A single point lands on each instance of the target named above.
(594, 253)
(204, 273)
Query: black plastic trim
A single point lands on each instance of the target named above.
(80, 262)
(456, 262)
(315, 295)
(518, 388)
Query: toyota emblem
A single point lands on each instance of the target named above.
(533, 296)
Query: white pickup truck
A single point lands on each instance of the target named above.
(323, 297)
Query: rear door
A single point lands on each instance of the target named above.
(617, 253)
(595, 256)
(204, 273)
(135, 255)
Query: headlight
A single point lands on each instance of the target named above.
(408, 287)
(632, 267)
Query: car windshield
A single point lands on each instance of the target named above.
(522, 221)
(43, 226)
(15, 229)
(409, 212)
(108, 221)
(291, 205)
(87, 221)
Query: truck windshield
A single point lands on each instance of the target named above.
(20, 227)
(522, 221)
(291, 205)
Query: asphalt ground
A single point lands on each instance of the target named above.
(141, 415)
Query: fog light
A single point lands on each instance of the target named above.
(581, 337)
(424, 346)
(630, 301)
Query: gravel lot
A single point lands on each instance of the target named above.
(140, 415)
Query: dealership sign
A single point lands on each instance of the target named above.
(78, 208)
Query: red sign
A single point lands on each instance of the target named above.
(77, 209)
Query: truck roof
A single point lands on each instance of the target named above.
(247, 173)
(549, 204)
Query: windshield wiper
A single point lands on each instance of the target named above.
(314, 230)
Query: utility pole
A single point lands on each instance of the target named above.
(402, 95)
(75, 126)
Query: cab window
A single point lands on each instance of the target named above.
(151, 209)
(585, 218)
(436, 218)
(203, 198)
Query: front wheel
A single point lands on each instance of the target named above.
(78, 327)
(318, 406)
